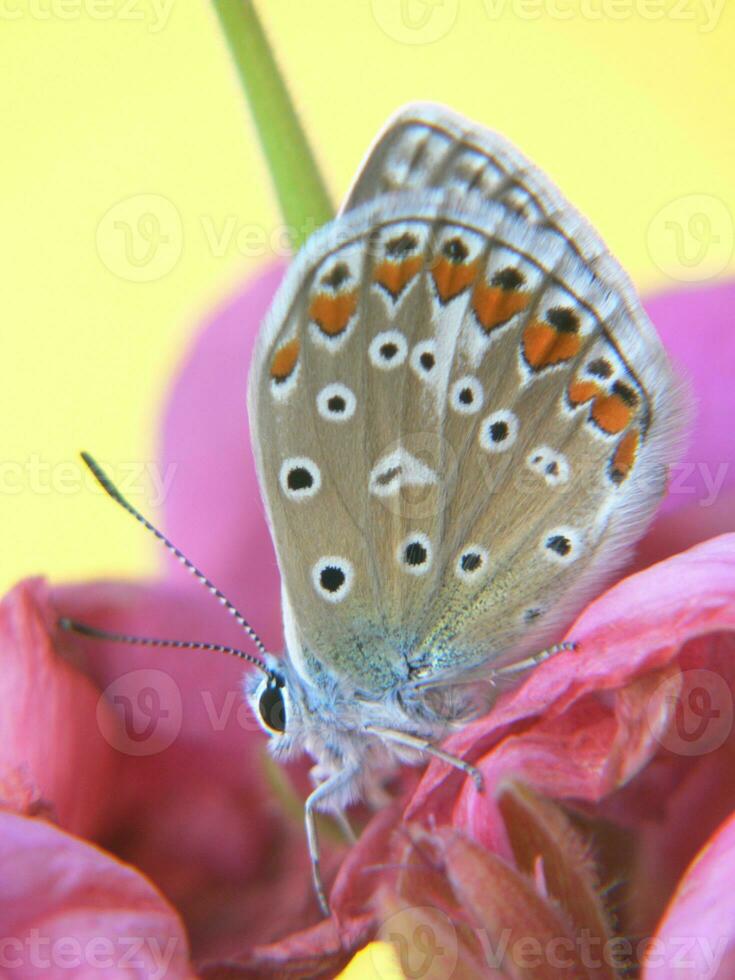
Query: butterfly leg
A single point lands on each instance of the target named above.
(318, 775)
(533, 661)
(329, 787)
(423, 745)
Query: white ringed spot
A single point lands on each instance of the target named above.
(472, 563)
(333, 576)
(336, 402)
(414, 554)
(300, 477)
(388, 349)
(499, 431)
(562, 545)
(423, 359)
(466, 395)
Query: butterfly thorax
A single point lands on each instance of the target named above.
(338, 724)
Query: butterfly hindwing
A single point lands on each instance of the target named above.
(460, 412)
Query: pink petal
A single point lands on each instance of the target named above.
(662, 806)
(696, 938)
(52, 754)
(191, 776)
(637, 626)
(584, 754)
(214, 510)
(201, 692)
(678, 528)
(69, 909)
(696, 325)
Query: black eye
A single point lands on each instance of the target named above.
(272, 708)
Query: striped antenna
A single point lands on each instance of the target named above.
(74, 627)
(109, 487)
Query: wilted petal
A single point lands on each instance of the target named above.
(69, 909)
(696, 938)
(546, 846)
(527, 936)
(428, 944)
(317, 953)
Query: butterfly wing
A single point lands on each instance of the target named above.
(462, 415)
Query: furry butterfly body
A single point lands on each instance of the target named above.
(462, 420)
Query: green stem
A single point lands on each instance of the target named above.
(301, 191)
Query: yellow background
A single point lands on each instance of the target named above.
(628, 104)
(108, 100)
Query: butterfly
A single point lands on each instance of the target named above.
(462, 420)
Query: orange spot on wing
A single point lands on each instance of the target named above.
(494, 306)
(625, 454)
(395, 276)
(284, 360)
(451, 278)
(544, 346)
(332, 313)
(611, 413)
(580, 392)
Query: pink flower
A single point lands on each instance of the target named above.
(167, 773)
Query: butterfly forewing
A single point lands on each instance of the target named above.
(461, 414)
